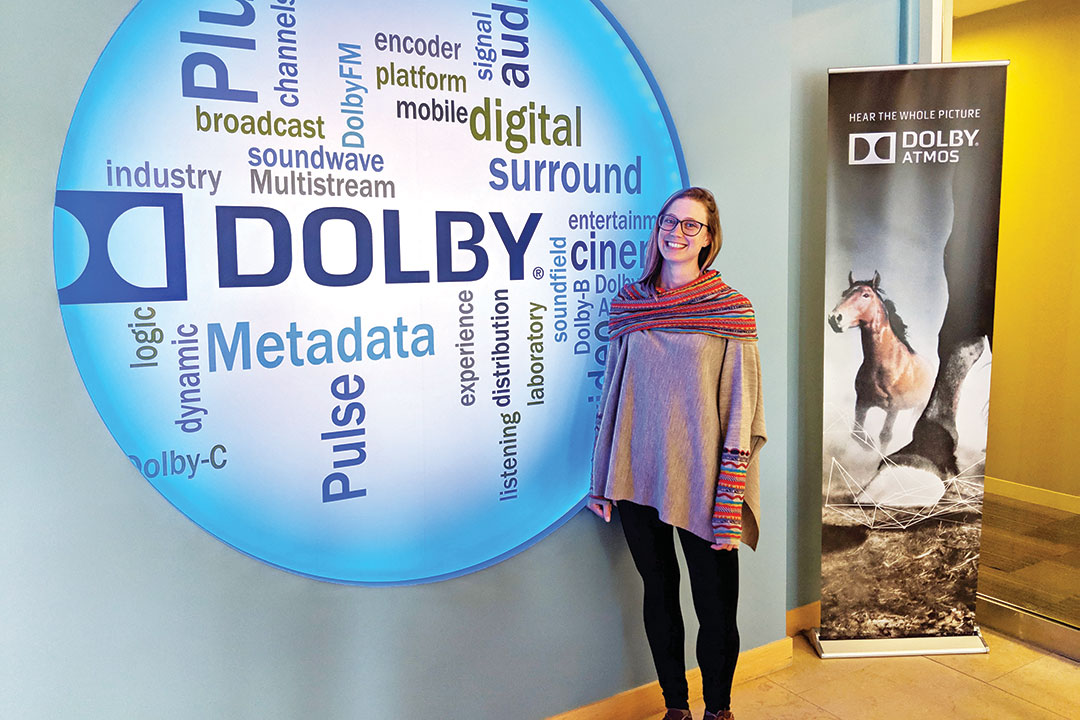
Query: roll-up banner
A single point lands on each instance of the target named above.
(913, 203)
(336, 274)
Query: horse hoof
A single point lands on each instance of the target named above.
(902, 486)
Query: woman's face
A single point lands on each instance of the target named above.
(675, 246)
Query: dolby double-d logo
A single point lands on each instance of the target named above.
(872, 148)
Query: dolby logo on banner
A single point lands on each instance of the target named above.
(872, 148)
(918, 147)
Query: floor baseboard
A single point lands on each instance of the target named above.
(803, 618)
(646, 700)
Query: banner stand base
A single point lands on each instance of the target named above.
(898, 647)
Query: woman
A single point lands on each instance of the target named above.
(678, 430)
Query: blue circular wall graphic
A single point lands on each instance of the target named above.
(336, 275)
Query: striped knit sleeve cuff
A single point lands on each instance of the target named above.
(730, 486)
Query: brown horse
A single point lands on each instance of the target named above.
(892, 376)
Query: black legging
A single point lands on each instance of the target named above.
(714, 584)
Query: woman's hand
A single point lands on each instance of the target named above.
(601, 507)
(726, 546)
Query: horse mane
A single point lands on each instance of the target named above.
(896, 323)
(898, 326)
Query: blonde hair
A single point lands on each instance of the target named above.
(653, 259)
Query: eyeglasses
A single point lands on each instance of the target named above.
(690, 227)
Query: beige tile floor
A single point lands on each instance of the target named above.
(1013, 681)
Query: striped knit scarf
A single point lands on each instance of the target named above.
(707, 305)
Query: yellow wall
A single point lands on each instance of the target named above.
(1034, 434)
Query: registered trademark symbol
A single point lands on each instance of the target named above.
(538, 272)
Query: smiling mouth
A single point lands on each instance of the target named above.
(675, 245)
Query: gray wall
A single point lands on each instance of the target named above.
(114, 605)
(826, 34)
